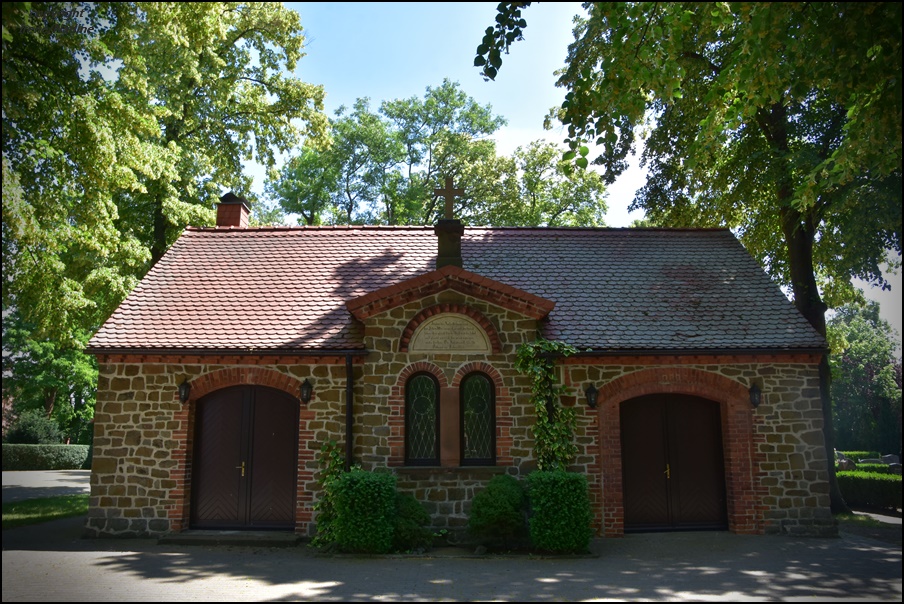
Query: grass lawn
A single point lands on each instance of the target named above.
(34, 511)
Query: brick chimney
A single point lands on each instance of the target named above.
(233, 211)
(448, 230)
(448, 239)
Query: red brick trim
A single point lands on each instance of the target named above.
(460, 309)
(504, 400)
(224, 359)
(241, 376)
(743, 491)
(446, 278)
(697, 359)
(396, 419)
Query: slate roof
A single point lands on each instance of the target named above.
(285, 289)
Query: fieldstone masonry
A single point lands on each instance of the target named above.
(775, 461)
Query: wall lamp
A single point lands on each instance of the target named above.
(184, 391)
(591, 393)
(756, 396)
(306, 391)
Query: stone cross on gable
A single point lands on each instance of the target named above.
(449, 194)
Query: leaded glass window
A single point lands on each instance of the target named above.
(422, 420)
(478, 420)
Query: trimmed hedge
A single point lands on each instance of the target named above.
(870, 489)
(365, 504)
(497, 512)
(875, 468)
(858, 455)
(46, 457)
(560, 511)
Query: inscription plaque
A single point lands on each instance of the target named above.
(449, 333)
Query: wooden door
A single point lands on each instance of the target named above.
(673, 470)
(245, 459)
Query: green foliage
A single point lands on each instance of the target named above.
(382, 168)
(869, 489)
(498, 512)
(34, 428)
(410, 532)
(560, 518)
(45, 375)
(44, 509)
(122, 122)
(365, 504)
(782, 121)
(332, 466)
(554, 445)
(866, 380)
(46, 457)
(858, 455)
(875, 468)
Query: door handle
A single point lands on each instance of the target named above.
(668, 472)
(242, 468)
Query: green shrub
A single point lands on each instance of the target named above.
(875, 468)
(560, 511)
(497, 512)
(44, 457)
(410, 532)
(365, 504)
(870, 489)
(34, 428)
(858, 455)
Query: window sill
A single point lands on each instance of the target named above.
(424, 471)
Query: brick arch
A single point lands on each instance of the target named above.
(741, 484)
(482, 367)
(461, 309)
(244, 376)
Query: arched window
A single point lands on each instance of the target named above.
(422, 420)
(478, 420)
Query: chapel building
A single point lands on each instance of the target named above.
(244, 350)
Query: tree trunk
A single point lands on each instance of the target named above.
(799, 231)
(799, 234)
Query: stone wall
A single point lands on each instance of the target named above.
(775, 462)
(141, 473)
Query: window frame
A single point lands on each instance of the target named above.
(435, 460)
(478, 461)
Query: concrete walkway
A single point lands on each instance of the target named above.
(51, 562)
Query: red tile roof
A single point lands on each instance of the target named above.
(284, 289)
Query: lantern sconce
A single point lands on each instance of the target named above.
(756, 396)
(184, 391)
(591, 393)
(306, 391)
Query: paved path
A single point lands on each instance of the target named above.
(51, 562)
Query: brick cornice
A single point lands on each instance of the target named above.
(450, 278)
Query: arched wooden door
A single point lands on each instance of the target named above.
(245, 461)
(672, 464)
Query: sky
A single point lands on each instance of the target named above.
(392, 50)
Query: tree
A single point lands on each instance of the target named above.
(382, 168)
(122, 122)
(55, 379)
(866, 380)
(534, 188)
(782, 121)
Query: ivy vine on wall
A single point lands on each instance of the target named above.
(554, 445)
